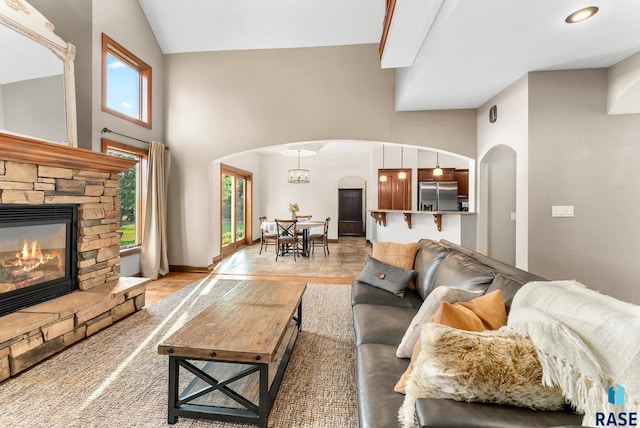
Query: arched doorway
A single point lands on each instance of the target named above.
(498, 203)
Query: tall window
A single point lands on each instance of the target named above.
(132, 191)
(236, 206)
(126, 84)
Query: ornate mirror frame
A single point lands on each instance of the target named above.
(25, 19)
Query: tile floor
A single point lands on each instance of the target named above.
(345, 260)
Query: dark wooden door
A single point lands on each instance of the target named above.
(350, 220)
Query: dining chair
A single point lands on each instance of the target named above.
(321, 238)
(302, 217)
(267, 237)
(286, 237)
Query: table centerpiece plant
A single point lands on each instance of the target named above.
(293, 207)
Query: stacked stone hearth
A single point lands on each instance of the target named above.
(32, 334)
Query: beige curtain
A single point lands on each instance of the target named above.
(153, 257)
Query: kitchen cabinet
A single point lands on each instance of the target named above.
(426, 174)
(462, 177)
(395, 193)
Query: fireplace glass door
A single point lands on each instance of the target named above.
(38, 254)
(31, 255)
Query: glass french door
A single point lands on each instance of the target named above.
(235, 203)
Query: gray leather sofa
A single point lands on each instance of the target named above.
(380, 319)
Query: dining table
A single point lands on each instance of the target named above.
(304, 225)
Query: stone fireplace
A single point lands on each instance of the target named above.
(59, 178)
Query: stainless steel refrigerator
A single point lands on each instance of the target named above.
(438, 196)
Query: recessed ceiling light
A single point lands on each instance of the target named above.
(581, 15)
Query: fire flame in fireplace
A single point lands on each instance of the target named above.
(31, 256)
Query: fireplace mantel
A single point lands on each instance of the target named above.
(27, 150)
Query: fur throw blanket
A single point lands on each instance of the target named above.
(586, 343)
(488, 367)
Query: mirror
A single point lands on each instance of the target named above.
(37, 88)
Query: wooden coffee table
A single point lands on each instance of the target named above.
(236, 352)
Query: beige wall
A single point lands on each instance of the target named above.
(583, 157)
(225, 102)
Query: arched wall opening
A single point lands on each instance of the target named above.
(336, 162)
(497, 218)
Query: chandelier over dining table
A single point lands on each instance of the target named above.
(299, 175)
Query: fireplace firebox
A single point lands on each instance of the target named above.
(38, 258)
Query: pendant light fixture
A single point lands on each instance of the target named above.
(437, 172)
(299, 175)
(383, 178)
(402, 175)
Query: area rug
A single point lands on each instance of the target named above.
(116, 378)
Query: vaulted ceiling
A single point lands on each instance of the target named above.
(449, 54)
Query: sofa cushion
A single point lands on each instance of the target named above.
(377, 370)
(457, 270)
(486, 312)
(427, 260)
(441, 413)
(495, 265)
(380, 324)
(498, 367)
(508, 285)
(385, 276)
(365, 293)
(430, 306)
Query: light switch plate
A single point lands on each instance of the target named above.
(513, 216)
(562, 211)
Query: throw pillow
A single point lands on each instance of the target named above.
(486, 312)
(399, 255)
(429, 307)
(385, 276)
(498, 367)
(396, 254)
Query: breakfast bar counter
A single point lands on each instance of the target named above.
(406, 225)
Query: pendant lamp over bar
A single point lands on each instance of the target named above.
(383, 177)
(402, 175)
(299, 175)
(437, 172)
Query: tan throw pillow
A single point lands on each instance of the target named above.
(429, 307)
(396, 254)
(486, 312)
(498, 367)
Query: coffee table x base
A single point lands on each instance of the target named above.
(231, 384)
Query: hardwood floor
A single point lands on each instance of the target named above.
(344, 262)
(174, 281)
